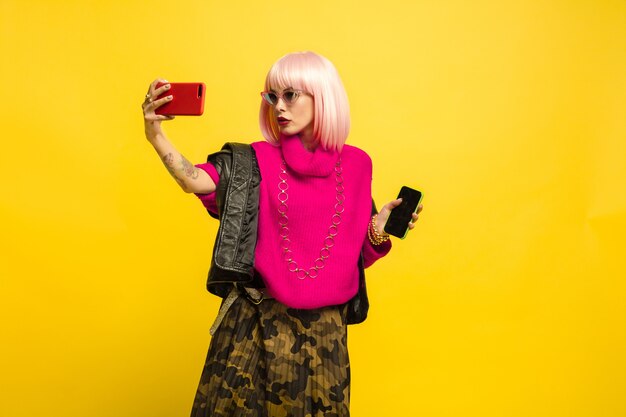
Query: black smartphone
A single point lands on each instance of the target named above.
(399, 218)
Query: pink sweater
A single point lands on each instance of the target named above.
(312, 195)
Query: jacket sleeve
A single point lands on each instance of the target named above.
(218, 167)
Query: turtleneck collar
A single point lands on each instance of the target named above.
(316, 163)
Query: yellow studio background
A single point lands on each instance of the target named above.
(508, 299)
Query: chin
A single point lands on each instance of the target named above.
(289, 131)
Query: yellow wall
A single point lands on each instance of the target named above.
(507, 300)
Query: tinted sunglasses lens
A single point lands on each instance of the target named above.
(290, 96)
(271, 98)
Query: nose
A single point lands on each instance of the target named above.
(280, 105)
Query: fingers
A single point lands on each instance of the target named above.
(153, 84)
(152, 87)
(151, 103)
(163, 117)
(414, 217)
(154, 91)
(149, 108)
(161, 90)
(158, 103)
(393, 204)
(386, 209)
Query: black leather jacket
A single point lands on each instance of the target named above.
(238, 203)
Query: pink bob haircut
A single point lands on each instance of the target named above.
(316, 75)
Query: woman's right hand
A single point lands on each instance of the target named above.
(152, 121)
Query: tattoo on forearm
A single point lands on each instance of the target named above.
(187, 167)
(168, 161)
(190, 170)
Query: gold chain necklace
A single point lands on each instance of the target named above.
(283, 222)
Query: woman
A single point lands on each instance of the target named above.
(289, 255)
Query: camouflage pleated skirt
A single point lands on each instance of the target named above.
(269, 360)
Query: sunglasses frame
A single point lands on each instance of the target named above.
(279, 96)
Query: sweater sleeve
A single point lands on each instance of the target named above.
(208, 200)
(372, 253)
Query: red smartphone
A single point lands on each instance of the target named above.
(187, 99)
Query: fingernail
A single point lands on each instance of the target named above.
(167, 87)
(169, 97)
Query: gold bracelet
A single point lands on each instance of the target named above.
(373, 235)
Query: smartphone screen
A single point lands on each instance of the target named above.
(399, 218)
(187, 99)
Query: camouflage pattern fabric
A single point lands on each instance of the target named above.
(269, 360)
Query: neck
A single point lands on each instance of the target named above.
(308, 141)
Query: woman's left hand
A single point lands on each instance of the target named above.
(383, 215)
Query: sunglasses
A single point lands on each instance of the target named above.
(289, 96)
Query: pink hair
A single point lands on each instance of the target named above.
(310, 72)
